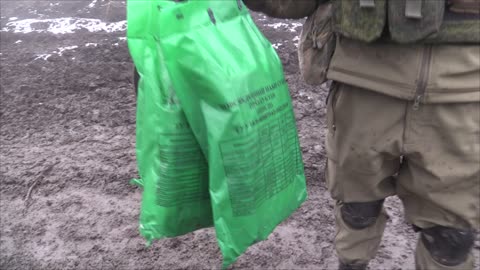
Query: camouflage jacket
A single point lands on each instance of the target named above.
(424, 72)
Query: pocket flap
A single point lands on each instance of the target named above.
(414, 20)
(360, 21)
(316, 46)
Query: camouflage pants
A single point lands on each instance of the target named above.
(379, 146)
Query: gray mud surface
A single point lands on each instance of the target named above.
(67, 139)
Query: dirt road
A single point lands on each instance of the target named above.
(67, 140)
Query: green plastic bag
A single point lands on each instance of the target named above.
(230, 83)
(173, 170)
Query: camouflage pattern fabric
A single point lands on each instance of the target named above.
(353, 21)
(458, 28)
(464, 6)
(458, 23)
(284, 9)
(367, 24)
(408, 30)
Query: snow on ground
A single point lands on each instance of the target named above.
(44, 56)
(66, 25)
(296, 41)
(276, 45)
(63, 49)
(291, 26)
(92, 4)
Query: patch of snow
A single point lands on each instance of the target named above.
(65, 25)
(42, 56)
(115, 44)
(277, 45)
(58, 52)
(122, 38)
(12, 18)
(92, 4)
(263, 18)
(297, 24)
(277, 25)
(91, 45)
(63, 49)
(292, 27)
(18, 41)
(296, 39)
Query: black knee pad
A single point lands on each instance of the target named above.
(361, 215)
(448, 246)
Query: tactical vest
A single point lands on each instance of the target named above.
(409, 21)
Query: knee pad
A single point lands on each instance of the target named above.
(448, 246)
(361, 215)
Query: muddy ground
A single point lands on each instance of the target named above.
(67, 140)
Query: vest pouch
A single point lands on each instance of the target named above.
(316, 46)
(458, 27)
(362, 20)
(414, 20)
(464, 6)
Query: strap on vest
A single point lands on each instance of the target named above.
(413, 9)
(367, 3)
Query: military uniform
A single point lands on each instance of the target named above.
(403, 119)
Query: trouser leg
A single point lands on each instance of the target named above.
(359, 231)
(363, 155)
(439, 182)
(445, 251)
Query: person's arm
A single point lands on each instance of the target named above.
(284, 9)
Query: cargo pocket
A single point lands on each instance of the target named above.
(316, 46)
(331, 168)
(414, 20)
(349, 146)
(360, 19)
(332, 99)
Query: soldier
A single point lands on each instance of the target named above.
(403, 119)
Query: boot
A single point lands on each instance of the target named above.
(351, 266)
